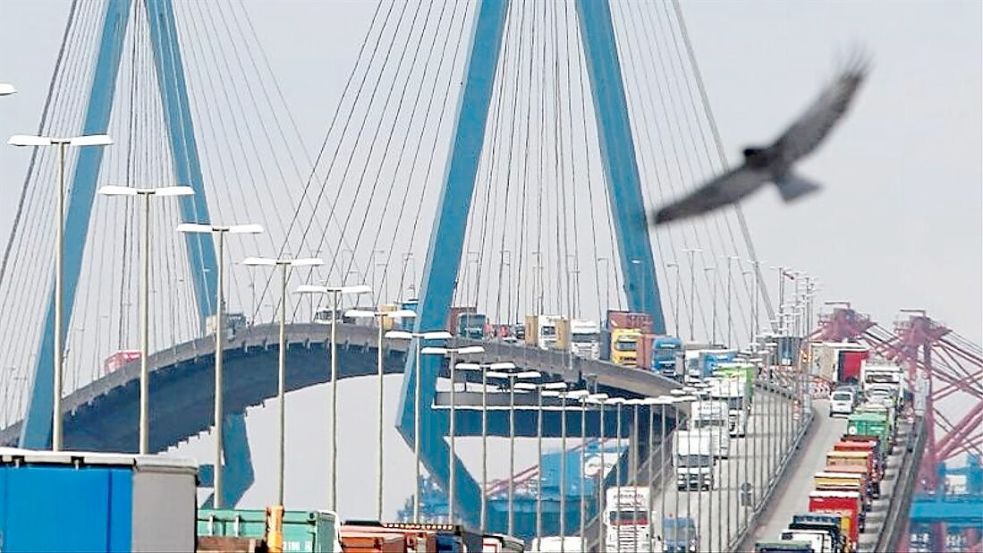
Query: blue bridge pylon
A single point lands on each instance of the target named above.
(36, 430)
(446, 242)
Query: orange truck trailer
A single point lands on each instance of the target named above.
(846, 504)
(853, 480)
(864, 459)
(864, 445)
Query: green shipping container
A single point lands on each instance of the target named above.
(869, 424)
(303, 531)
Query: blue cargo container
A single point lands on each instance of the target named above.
(95, 502)
(667, 356)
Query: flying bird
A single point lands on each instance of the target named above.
(774, 163)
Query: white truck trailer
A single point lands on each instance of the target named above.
(586, 339)
(713, 416)
(733, 390)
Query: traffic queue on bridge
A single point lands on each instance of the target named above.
(844, 491)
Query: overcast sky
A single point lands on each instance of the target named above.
(898, 225)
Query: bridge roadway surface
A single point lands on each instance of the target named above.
(792, 495)
(102, 416)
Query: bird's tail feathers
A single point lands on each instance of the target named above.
(793, 187)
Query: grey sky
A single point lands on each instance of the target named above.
(899, 223)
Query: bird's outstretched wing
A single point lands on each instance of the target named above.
(723, 190)
(813, 126)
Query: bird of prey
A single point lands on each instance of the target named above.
(774, 163)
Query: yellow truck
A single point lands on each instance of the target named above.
(624, 346)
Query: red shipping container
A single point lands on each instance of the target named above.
(629, 319)
(849, 364)
(644, 351)
(839, 503)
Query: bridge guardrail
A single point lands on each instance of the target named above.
(774, 479)
(900, 503)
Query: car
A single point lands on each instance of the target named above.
(842, 402)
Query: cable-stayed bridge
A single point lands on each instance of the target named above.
(499, 156)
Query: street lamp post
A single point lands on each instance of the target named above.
(285, 265)
(511, 378)
(452, 456)
(542, 390)
(7, 89)
(336, 292)
(692, 292)
(564, 396)
(146, 193)
(218, 233)
(418, 338)
(617, 402)
(62, 144)
(485, 369)
(713, 304)
(599, 400)
(381, 317)
(675, 303)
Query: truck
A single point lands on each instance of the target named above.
(713, 417)
(837, 361)
(454, 313)
(407, 323)
(546, 332)
(557, 544)
(864, 443)
(116, 361)
(586, 338)
(847, 479)
(783, 547)
(830, 523)
(471, 325)
(885, 375)
(679, 535)
(626, 519)
(819, 541)
(694, 459)
(234, 322)
(871, 424)
(862, 460)
(846, 504)
(303, 531)
(701, 363)
(667, 356)
(624, 346)
(733, 391)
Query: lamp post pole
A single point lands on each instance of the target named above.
(713, 304)
(284, 265)
(336, 292)
(218, 233)
(452, 455)
(692, 292)
(675, 303)
(146, 193)
(599, 400)
(59, 354)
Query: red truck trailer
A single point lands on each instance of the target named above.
(846, 504)
(629, 319)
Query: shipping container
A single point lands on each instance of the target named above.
(449, 538)
(629, 319)
(95, 502)
(845, 504)
(646, 351)
(303, 531)
(562, 334)
(372, 542)
(532, 331)
(849, 365)
(413, 540)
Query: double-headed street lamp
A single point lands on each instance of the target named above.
(576, 395)
(146, 193)
(540, 389)
(336, 292)
(218, 233)
(285, 265)
(381, 317)
(62, 144)
(484, 370)
(418, 337)
(512, 377)
(453, 353)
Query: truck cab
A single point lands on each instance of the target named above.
(733, 390)
(626, 519)
(471, 325)
(624, 346)
(667, 356)
(679, 535)
(585, 339)
(694, 459)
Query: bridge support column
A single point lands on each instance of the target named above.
(444, 253)
(36, 431)
(618, 159)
